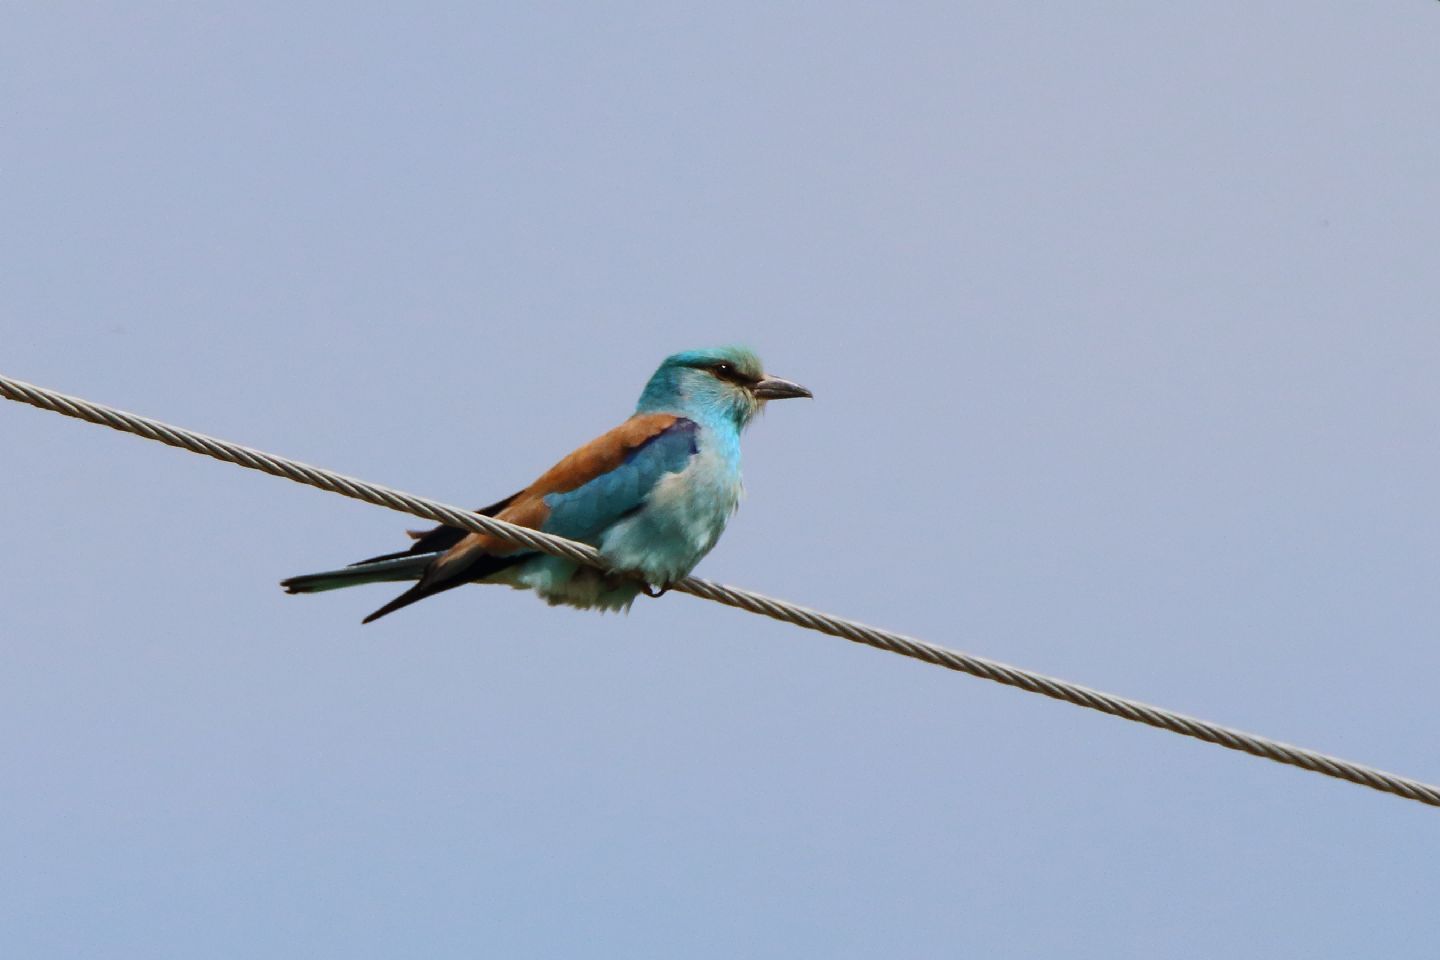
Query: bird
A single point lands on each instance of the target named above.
(652, 496)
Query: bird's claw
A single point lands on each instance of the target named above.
(650, 589)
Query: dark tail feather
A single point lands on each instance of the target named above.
(383, 571)
(418, 592)
(483, 567)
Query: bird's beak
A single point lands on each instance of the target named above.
(773, 388)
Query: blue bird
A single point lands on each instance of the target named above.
(652, 495)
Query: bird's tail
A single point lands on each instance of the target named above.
(406, 567)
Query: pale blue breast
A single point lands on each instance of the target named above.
(684, 513)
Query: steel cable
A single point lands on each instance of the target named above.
(732, 596)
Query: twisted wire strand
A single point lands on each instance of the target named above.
(731, 596)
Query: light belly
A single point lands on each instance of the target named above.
(681, 520)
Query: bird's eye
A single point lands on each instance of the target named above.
(727, 371)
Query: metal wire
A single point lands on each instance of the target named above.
(731, 596)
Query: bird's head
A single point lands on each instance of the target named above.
(725, 382)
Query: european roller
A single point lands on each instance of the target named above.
(652, 495)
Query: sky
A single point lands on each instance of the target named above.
(1121, 320)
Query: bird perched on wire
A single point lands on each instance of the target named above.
(652, 496)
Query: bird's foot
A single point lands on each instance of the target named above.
(650, 590)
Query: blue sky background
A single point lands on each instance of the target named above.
(1122, 322)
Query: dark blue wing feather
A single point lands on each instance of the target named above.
(585, 512)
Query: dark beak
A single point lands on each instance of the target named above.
(773, 388)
